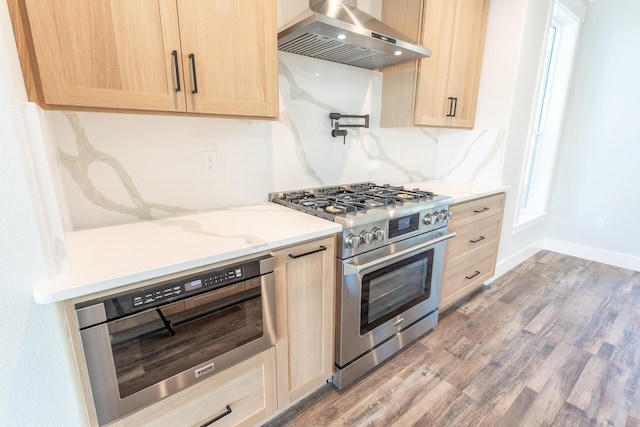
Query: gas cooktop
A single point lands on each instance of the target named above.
(356, 203)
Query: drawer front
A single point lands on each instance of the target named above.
(465, 277)
(472, 238)
(249, 388)
(474, 210)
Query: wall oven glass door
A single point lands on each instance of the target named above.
(391, 290)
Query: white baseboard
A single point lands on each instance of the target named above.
(515, 259)
(618, 259)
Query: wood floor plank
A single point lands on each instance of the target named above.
(552, 396)
(555, 341)
(587, 388)
(569, 415)
(428, 406)
(513, 414)
(550, 367)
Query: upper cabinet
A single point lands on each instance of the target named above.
(215, 57)
(441, 90)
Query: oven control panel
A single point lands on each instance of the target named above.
(172, 288)
(382, 232)
(212, 280)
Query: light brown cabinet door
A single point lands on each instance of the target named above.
(232, 46)
(441, 90)
(431, 99)
(305, 291)
(107, 53)
(448, 81)
(466, 60)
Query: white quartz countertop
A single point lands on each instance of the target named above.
(105, 258)
(460, 191)
(108, 257)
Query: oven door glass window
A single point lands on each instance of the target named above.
(159, 343)
(391, 290)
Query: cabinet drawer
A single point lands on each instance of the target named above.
(249, 388)
(474, 210)
(465, 277)
(472, 238)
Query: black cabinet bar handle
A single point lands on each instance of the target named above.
(224, 414)
(482, 210)
(479, 239)
(473, 275)
(192, 59)
(455, 107)
(450, 107)
(320, 249)
(177, 68)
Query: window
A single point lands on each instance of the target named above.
(546, 117)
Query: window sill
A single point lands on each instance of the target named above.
(528, 221)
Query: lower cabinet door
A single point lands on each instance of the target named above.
(305, 289)
(239, 396)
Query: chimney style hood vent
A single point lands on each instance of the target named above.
(335, 30)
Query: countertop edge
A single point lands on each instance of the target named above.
(62, 288)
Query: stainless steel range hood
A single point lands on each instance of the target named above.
(336, 30)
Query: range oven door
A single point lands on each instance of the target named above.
(387, 290)
(137, 360)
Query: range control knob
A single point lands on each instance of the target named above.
(378, 233)
(429, 219)
(366, 237)
(352, 241)
(441, 215)
(447, 215)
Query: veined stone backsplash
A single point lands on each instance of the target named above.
(128, 167)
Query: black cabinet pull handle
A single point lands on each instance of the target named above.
(192, 59)
(482, 210)
(479, 239)
(320, 249)
(224, 414)
(473, 275)
(177, 68)
(455, 107)
(450, 107)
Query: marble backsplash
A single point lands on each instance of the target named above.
(128, 167)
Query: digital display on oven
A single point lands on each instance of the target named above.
(195, 284)
(404, 225)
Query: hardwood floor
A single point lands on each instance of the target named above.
(555, 341)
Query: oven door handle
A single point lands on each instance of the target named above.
(357, 269)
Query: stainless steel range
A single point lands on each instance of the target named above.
(389, 267)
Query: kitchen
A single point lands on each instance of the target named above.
(595, 157)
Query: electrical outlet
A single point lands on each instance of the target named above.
(599, 223)
(209, 162)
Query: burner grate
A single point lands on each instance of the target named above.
(333, 201)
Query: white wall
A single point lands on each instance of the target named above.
(598, 167)
(36, 384)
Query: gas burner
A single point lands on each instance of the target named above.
(334, 209)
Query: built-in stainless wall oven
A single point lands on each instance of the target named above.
(145, 344)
